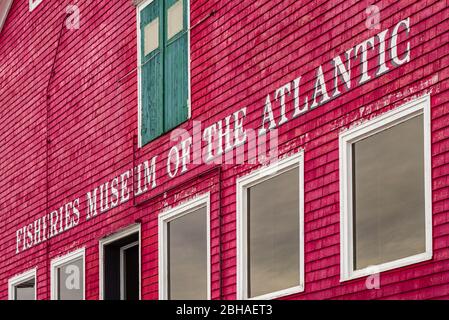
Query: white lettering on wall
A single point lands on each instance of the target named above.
(341, 75)
(226, 136)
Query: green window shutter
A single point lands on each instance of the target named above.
(175, 63)
(152, 53)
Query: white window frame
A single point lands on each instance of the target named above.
(4, 13)
(163, 220)
(136, 228)
(416, 107)
(19, 279)
(58, 262)
(243, 184)
(139, 8)
(33, 4)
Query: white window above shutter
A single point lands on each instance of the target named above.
(175, 17)
(151, 36)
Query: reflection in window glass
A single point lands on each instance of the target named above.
(187, 256)
(25, 290)
(273, 234)
(388, 194)
(70, 280)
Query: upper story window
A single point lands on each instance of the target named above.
(270, 228)
(33, 4)
(5, 5)
(163, 66)
(23, 286)
(386, 192)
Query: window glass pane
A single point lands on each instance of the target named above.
(25, 290)
(388, 187)
(175, 17)
(273, 234)
(187, 256)
(151, 36)
(70, 280)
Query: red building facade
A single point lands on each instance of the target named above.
(334, 110)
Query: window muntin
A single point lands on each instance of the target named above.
(23, 286)
(270, 231)
(184, 251)
(385, 177)
(68, 276)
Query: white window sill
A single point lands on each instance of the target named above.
(388, 266)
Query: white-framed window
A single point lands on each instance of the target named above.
(184, 251)
(68, 276)
(385, 190)
(120, 259)
(33, 4)
(270, 230)
(23, 286)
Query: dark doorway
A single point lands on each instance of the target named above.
(121, 269)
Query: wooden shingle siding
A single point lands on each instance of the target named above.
(240, 51)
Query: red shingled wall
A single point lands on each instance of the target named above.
(243, 52)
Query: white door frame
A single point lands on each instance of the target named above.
(135, 228)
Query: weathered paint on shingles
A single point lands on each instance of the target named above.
(243, 52)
